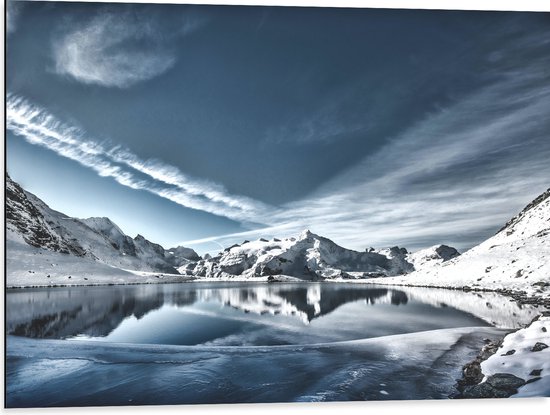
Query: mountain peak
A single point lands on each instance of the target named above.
(102, 223)
(306, 233)
(178, 253)
(32, 222)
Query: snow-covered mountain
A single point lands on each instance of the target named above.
(516, 258)
(180, 256)
(34, 229)
(308, 257)
(26, 223)
(434, 255)
(42, 240)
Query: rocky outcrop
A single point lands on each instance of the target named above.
(31, 221)
(180, 255)
(307, 257)
(432, 256)
(28, 222)
(509, 227)
(498, 385)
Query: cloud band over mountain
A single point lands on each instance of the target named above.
(39, 127)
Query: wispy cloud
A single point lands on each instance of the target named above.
(117, 49)
(455, 177)
(322, 125)
(39, 127)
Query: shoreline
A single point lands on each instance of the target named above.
(521, 297)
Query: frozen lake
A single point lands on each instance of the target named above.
(243, 342)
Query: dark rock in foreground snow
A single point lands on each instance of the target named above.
(539, 346)
(499, 385)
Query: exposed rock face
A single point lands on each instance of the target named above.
(446, 252)
(472, 374)
(308, 257)
(29, 220)
(510, 226)
(429, 257)
(499, 385)
(539, 346)
(180, 255)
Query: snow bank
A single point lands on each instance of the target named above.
(28, 266)
(519, 356)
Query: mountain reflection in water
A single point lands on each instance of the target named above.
(97, 311)
(236, 314)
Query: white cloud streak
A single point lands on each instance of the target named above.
(39, 127)
(429, 185)
(406, 194)
(114, 50)
(455, 177)
(451, 179)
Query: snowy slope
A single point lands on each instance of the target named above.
(103, 240)
(516, 258)
(38, 236)
(308, 257)
(26, 223)
(28, 266)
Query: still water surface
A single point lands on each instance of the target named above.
(243, 342)
(228, 315)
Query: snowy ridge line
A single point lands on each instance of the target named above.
(518, 217)
(24, 347)
(515, 261)
(308, 257)
(98, 252)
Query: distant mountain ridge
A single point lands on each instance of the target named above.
(516, 258)
(45, 247)
(309, 257)
(30, 220)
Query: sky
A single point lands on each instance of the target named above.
(204, 126)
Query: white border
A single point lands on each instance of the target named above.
(451, 407)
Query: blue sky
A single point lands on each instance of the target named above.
(208, 125)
